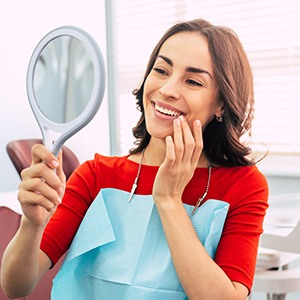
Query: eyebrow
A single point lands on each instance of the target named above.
(188, 69)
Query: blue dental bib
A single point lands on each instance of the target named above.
(120, 251)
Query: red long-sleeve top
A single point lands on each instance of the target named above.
(244, 188)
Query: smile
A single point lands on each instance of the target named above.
(166, 111)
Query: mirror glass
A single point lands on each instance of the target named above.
(64, 77)
(65, 83)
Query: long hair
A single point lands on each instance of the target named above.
(223, 143)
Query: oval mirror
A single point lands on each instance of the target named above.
(65, 84)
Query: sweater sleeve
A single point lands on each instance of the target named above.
(237, 250)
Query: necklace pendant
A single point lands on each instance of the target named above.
(197, 205)
(200, 200)
(134, 186)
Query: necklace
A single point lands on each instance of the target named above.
(134, 186)
(200, 200)
(198, 203)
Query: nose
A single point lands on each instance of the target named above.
(170, 89)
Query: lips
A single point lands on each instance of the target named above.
(167, 111)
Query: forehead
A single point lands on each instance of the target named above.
(189, 49)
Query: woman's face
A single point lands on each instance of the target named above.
(181, 82)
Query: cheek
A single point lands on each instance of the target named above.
(203, 121)
(204, 114)
(148, 83)
(151, 83)
(205, 110)
(149, 89)
(146, 90)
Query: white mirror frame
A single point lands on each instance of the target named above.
(63, 131)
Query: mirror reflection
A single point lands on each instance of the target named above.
(63, 79)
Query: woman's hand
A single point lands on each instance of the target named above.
(42, 186)
(182, 156)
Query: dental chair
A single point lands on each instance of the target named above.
(19, 152)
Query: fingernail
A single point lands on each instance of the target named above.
(55, 164)
(181, 117)
(197, 122)
(177, 122)
(168, 139)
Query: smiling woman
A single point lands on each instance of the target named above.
(203, 70)
(189, 193)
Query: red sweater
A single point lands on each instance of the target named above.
(244, 188)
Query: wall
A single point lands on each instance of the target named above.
(283, 184)
(22, 25)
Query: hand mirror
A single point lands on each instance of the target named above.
(65, 84)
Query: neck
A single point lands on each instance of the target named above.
(155, 152)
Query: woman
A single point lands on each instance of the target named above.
(180, 216)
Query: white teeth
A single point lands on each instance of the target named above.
(167, 111)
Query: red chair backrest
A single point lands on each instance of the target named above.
(19, 152)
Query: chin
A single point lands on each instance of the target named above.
(159, 134)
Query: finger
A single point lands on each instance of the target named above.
(188, 140)
(59, 171)
(198, 142)
(178, 139)
(38, 192)
(170, 153)
(40, 186)
(44, 172)
(61, 175)
(40, 153)
(27, 198)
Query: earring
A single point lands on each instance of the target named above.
(219, 119)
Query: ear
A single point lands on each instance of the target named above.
(220, 110)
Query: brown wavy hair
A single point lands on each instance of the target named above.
(222, 140)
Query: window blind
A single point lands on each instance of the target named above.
(269, 31)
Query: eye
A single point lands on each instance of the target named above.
(194, 83)
(160, 71)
